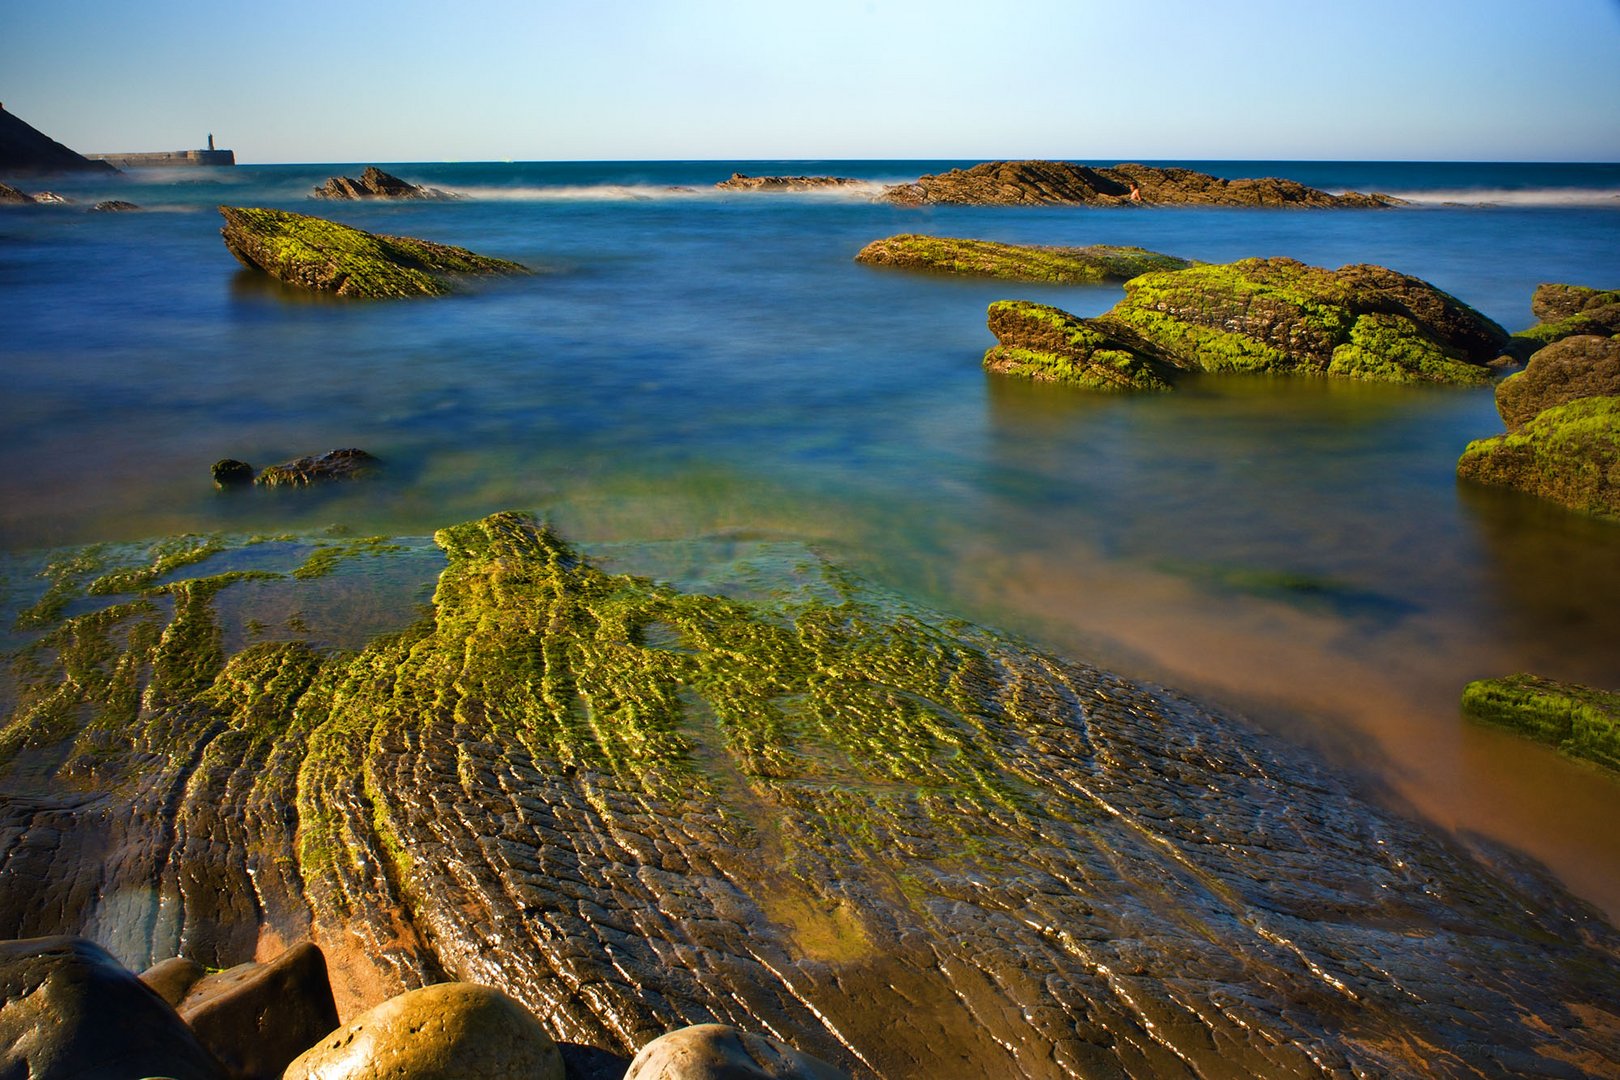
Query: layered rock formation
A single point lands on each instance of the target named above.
(1047, 344)
(1038, 183)
(741, 182)
(324, 256)
(1262, 315)
(1579, 720)
(27, 151)
(1015, 262)
(373, 183)
(903, 844)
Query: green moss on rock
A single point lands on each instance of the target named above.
(1048, 344)
(1569, 454)
(313, 253)
(1015, 262)
(1568, 310)
(1579, 720)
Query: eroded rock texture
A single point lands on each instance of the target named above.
(901, 844)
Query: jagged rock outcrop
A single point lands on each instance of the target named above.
(741, 182)
(1579, 720)
(1263, 315)
(1015, 262)
(113, 206)
(373, 183)
(1040, 183)
(1568, 310)
(1570, 368)
(313, 253)
(721, 1052)
(27, 151)
(905, 845)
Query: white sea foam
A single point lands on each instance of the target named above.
(1557, 196)
(864, 191)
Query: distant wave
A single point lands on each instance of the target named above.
(1557, 196)
(862, 192)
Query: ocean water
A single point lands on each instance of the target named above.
(687, 363)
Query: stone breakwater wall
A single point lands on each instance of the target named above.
(167, 158)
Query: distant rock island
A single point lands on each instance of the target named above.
(27, 151)
(373, 183)
(742, 182)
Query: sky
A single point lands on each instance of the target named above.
(437, 80)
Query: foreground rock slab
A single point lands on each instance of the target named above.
(1015, 262)
(1579, 720)
(721, 1052)
(324, 256)
(373, 183)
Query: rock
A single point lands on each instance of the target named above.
(1579, 720)
(1569, 454)
(114, 205)
(451, 1031)
(376, 184)
(230, 473)
(348, 464)
(313, 253)
(1037, 183)
(1015, 262)
(739, 182)
(27, 151)
(1573, 367)
(69, 1011)
(171, 978)
(10, 196)
(721, 1052)
(1567, 310)
(1050, 345)
(51, 198)
(256, 1018)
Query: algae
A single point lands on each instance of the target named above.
(1580, 721)
(1016, 262)
(1569, 454)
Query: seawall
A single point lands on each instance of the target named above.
(167, 158)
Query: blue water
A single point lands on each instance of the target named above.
(687, 362)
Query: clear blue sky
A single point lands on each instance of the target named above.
(428, 80)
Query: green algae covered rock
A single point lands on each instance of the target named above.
(313, 253)
(1579, 720)
(1047, 344)
(1567, 310)
(1573, 367)
(1015, 262)
(1569, 454)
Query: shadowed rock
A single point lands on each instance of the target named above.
(719, 1052)
(1579, 720)
(373, 183)
(1574, 367)
(1038, 183)
(313, 253)
(903, 844)
(256, 1018)
(170, 979)
(1015, 262)
(334, 465)
(27, 151)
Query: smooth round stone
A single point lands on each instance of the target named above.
(721, 1052)
(452, 1031)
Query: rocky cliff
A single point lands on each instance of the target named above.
(27, 151)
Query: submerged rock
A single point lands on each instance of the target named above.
(721, 1052)
(1567, 310)
(903, 844)
(230, 473)
(452, 1031)
(1573, 367)
(1016, 262)
(1569, 454)
(741, 182)
(256, 1018)
(1579, 720)
(373, 183)
(346, 464)
(1036, 183)
(1274, 316)
(313, 253)
(114, 206)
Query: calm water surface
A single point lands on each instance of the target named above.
(687, 363)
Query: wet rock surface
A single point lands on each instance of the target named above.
(1015, 262)
(350, 463)
(1568, 454)
(743, 182)
(1039, 183)
(324, 256)
(256, 1018)
(373, 183)
(719, 1052)
(1582, 721)
(902, 844)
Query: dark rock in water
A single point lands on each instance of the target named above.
(741, 182)
(1573, 367)
(313, 253)
(452, 1031)
(1579, 720)
(170, 979)
(1015, 262)
(113, 205)
(721, 1052)
(1567, 310)
(27, 151)
(376, 184)
(256, 1018)
(1569, 454)
(348, 464)
(69, 1011)
(12, 197)
(229, 473)
(1037, 183)
(1047, 344)
(903, 844)
(1262, 315)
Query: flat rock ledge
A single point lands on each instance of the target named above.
(1061, 183)
(373, 183)
(742, 182)
(1015, 262)
(1581, 721)
(1262, 316)
(323, 256)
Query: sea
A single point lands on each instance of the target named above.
(695, 365)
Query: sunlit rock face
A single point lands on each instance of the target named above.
(900, 843)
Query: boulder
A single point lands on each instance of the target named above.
(230, 473)
(373, 183)
(1574, 367)
(741, 182)
(1015, 262)
(172, 978)
(256, 1018)
(313, 253)
(451, 1031)
(348, 464)
(69, 1011)
(1568, 310)
(1047, 344)
(1569, 454)
(721, 1052)
(113, 205)
(1038, 183)
(1581, 721)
